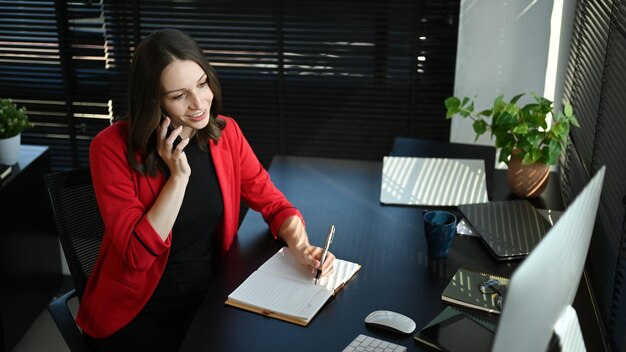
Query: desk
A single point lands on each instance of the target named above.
(387, 241)
(29, 255)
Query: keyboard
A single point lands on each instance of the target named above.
(368, 343)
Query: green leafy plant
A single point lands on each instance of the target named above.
(521, 130)
(13, 120)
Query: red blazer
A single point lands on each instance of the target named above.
(132, 255)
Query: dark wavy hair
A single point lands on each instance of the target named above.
(152, 55)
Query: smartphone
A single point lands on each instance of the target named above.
(170, 128)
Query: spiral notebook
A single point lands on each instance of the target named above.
(463, 290)
(433, 181)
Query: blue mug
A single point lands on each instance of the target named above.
(439, 227)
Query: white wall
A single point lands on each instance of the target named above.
(508, 47)
(563, 22)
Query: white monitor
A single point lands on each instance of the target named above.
(543, 287)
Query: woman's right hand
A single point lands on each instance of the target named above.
(164, 211)
(175, 158)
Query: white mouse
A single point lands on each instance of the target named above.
(387, 319)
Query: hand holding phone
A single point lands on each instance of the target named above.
(174, 157)
(170, 129)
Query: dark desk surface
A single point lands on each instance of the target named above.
(28, 154)
(387, 241)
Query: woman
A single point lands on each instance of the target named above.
(169, 209)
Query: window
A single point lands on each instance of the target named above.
(314, 78)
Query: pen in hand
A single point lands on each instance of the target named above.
(329, 240)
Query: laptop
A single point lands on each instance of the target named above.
(509, 229)
(440, 182)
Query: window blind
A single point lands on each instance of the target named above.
(610, 149)
(584, 78)
(51, 62)
(323, 78)
(596, 80)
(316, 78)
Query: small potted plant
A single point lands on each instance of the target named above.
(13, 121)
(525, 141)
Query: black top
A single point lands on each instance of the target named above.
(193, 235)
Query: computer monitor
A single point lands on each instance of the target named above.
(543, 287)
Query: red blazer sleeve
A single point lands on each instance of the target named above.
(248, 180)
(259, 191)
(132, 255)
(118, 193)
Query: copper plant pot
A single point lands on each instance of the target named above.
(527, 181)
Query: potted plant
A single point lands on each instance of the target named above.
(525, 141)
(13, 121)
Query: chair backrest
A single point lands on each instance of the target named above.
(78, 221)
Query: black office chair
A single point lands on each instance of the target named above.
(80, 229)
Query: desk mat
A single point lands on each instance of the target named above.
(433, 181)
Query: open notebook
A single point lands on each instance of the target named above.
(433, 181)
(284, 289)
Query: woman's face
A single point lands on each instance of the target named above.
(186, 96)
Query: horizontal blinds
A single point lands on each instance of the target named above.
(610, 150)
(347, 86)
(331, 78)
(52, 63)
(584, 78)
(595, 85)
(85, 64)
(366, 79)
(121, 34)
(30, 68)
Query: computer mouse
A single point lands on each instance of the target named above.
(389, 320)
